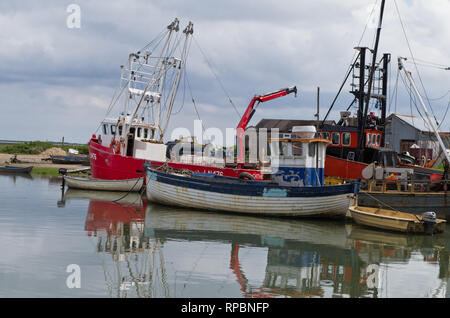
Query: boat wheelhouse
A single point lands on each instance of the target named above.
(298, 158)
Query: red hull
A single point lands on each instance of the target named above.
(107, 165)
(106, 216)
(343, 168)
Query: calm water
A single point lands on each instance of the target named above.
(129, 248)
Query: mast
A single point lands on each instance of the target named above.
(189, 30)
(401, 66)
(174, 26)
(386, 60)
(371, 74)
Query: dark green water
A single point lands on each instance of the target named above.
(129, 248)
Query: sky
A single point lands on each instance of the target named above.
(57, 80)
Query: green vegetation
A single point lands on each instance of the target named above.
(51, 172)
(42, 171)
(36, 147)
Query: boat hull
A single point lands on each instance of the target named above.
(128, 185)
(438, 202)
(74, 160)
(343, 168)
(110, 166)
(13, 169)
(256, 198)
(391, 220)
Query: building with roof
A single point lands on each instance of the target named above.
(410, 134)
(285, 125)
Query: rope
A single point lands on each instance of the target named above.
(390, 207)
(129, 191)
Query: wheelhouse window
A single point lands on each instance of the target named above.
(374, 139)
(297, 149)
(326, 135)
(113, 129)
(346, 139)
(105, 129)
(378, 140)
(368, 139)
(336, 138)
(311, 149)
(145, 133)
(139, 132)
(120, 130)
(285, 148)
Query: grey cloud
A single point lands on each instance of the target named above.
(255, 47)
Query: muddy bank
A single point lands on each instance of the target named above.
(40, 160)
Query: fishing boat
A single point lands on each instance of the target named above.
(15, 169)
(296, 187)
(358, 140)
(406, 191)
(128, 185)
(127, 141)
(397, 221)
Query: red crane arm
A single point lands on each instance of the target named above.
(251, 108)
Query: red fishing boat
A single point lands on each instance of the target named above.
(126, 142)
(359, 141)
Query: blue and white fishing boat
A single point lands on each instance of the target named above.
(296, 188)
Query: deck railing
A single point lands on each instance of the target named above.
(407, 185)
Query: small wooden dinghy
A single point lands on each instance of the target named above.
(14, 169)
(128, 185)
(397, 221)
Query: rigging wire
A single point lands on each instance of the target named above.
(217, 78)
(445, 115)
(193, 102)
(414, 101)
(439, 98)
(352, 62)
(414, 60)
(431, 64)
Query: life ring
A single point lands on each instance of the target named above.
(246, 176)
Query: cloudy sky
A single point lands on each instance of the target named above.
(58, 81)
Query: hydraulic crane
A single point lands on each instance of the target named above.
(250, 111)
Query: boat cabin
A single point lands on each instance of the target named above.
(140, 142)
(344, 141)
(298, 158)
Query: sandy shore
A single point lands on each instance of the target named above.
(36, 161)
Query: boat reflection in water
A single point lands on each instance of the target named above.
(116, 221)
(159, 251)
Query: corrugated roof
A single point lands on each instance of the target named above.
(285, 125)
(416, 122)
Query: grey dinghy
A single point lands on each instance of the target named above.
(107, 185)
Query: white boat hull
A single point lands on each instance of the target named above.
(104, 185)
(336, 205)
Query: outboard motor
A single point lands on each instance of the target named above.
(429, 222)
